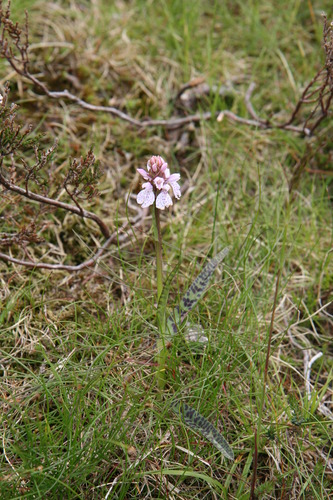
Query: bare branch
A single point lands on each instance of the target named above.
(172, 123)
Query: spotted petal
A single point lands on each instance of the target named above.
(146, 197)
(176, 189)
(159, 181)
(163, 200)
(173, 177)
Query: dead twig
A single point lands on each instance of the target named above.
(308, 362)
(172, 123)
(307, 369)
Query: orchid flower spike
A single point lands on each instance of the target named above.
(159, 181)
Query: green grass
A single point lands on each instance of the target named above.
(81, 414)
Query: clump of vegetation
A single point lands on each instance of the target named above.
(103, 380)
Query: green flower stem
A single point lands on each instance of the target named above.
(158, 248)
(161, 350)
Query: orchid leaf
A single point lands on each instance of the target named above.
(200, 424)
(194, 293)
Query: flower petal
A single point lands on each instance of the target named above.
(147, 185)
(159, 181)
(146, 197)
(144, 174)
(163, 200)
(173, 178)
(176, 189)
(163, 168)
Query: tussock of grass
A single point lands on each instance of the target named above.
(81, 416)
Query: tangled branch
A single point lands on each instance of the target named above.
(80, 184)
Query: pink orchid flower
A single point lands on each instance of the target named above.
(159, 180)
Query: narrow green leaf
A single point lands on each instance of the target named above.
(183, 473)
(194, 293)
(200, 424)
